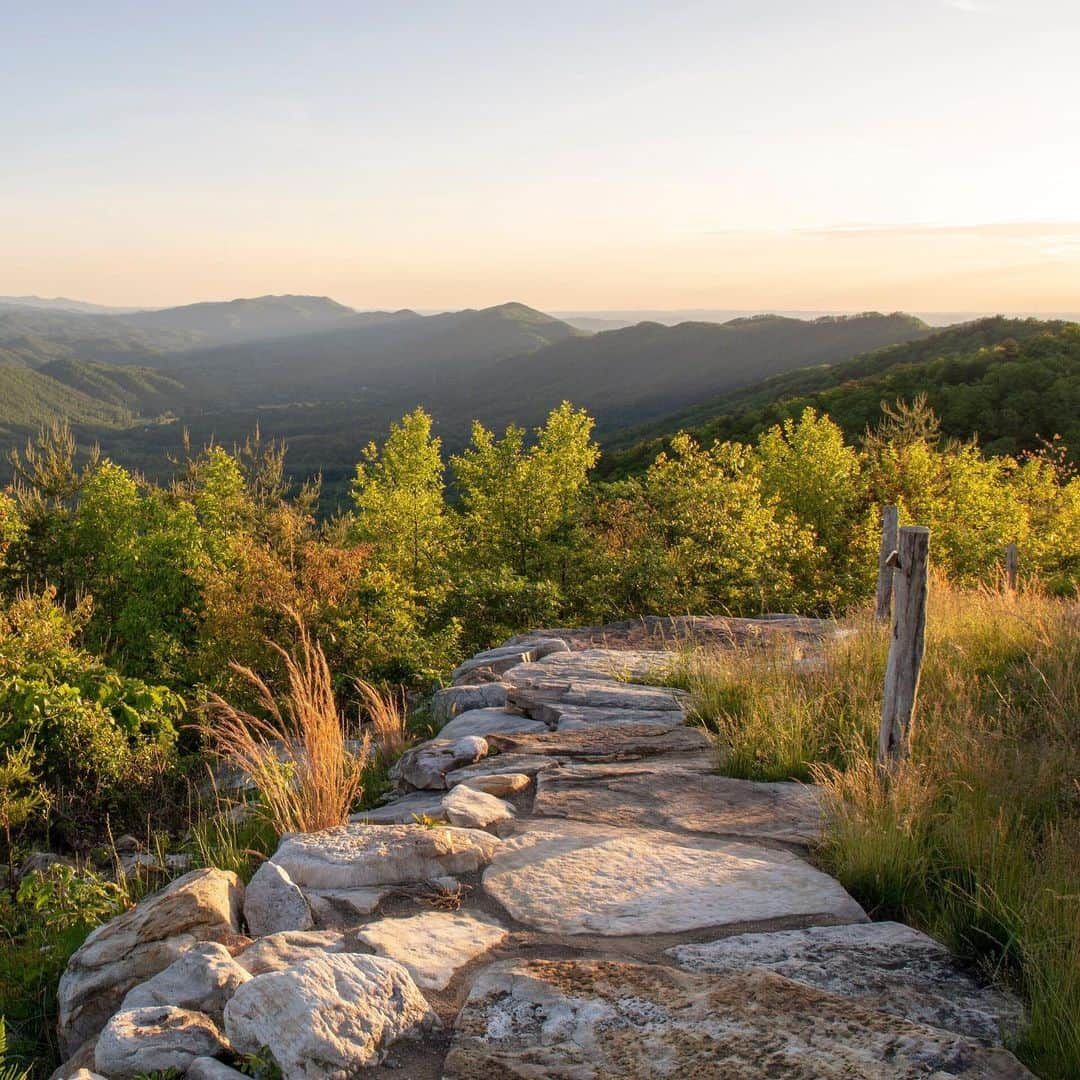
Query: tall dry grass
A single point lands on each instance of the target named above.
(297, 754)
(976, 839)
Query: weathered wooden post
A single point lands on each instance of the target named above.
(890, 520)
(1012, 567)
(910, 562)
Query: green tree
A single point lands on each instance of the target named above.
(520, 501)
(400, 501)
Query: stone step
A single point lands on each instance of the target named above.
(569, 877)
(672, 795)
(594, 1019)
(884, 966)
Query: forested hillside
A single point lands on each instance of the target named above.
(328, 379)
(1006, 381)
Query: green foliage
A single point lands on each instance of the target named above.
(260, 1065)
(1008, 381)
(8, 1070)
(400, 507)
(62, 899)
(519, 500)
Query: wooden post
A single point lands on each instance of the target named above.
(890, 520)
(906, 648)
(1012, 567)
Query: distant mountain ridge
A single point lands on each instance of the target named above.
(329, 379)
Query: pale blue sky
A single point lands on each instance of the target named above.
(785, 154)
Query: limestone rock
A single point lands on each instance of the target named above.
(425, 766)
(156, 1038)
(665, 795)
(884, 966)
(625, 665)
(575, 878)
(501, 785)
(536, 694)
(361, 856)
(487, 722)
(593, 1019)
(472, 809)
(203, 979)
(208, 1068)
(275, 952)
(607, 743)
(453, 700)
(499, 765)
(327, 1017)
(273, 902)
(507, 656)
(340, 909)
(432, 946)
(203, 905)
(406, 810)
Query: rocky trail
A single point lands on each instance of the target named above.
(561, 886)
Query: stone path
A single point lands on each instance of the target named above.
(560, 886)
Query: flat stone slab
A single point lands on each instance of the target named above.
(593, 1019)
(574, 878)
(406, 810)
(536, 694)
(488, 722)
(669, 796)
(500, 765)
(433, 945)
(884, 966)
(626, 665)
(607, 743)
(359, 856)
(571, 717)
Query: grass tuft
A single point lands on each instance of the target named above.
(297, 755)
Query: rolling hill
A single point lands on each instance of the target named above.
(1006, 381)
(331, 379)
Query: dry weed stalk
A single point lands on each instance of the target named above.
(298, 757)
(387, 721)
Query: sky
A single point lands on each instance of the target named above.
(840, 155)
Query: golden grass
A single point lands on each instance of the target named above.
(975, 839)
(297, 755)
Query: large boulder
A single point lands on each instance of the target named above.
(203, 905)
(155, 1039)
(592, 1019)
(327, 1017)
(273, 902)
(203, 979)
(275, 952)
(425, 766)
(363, 856)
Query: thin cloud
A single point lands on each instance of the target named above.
(969, 7)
